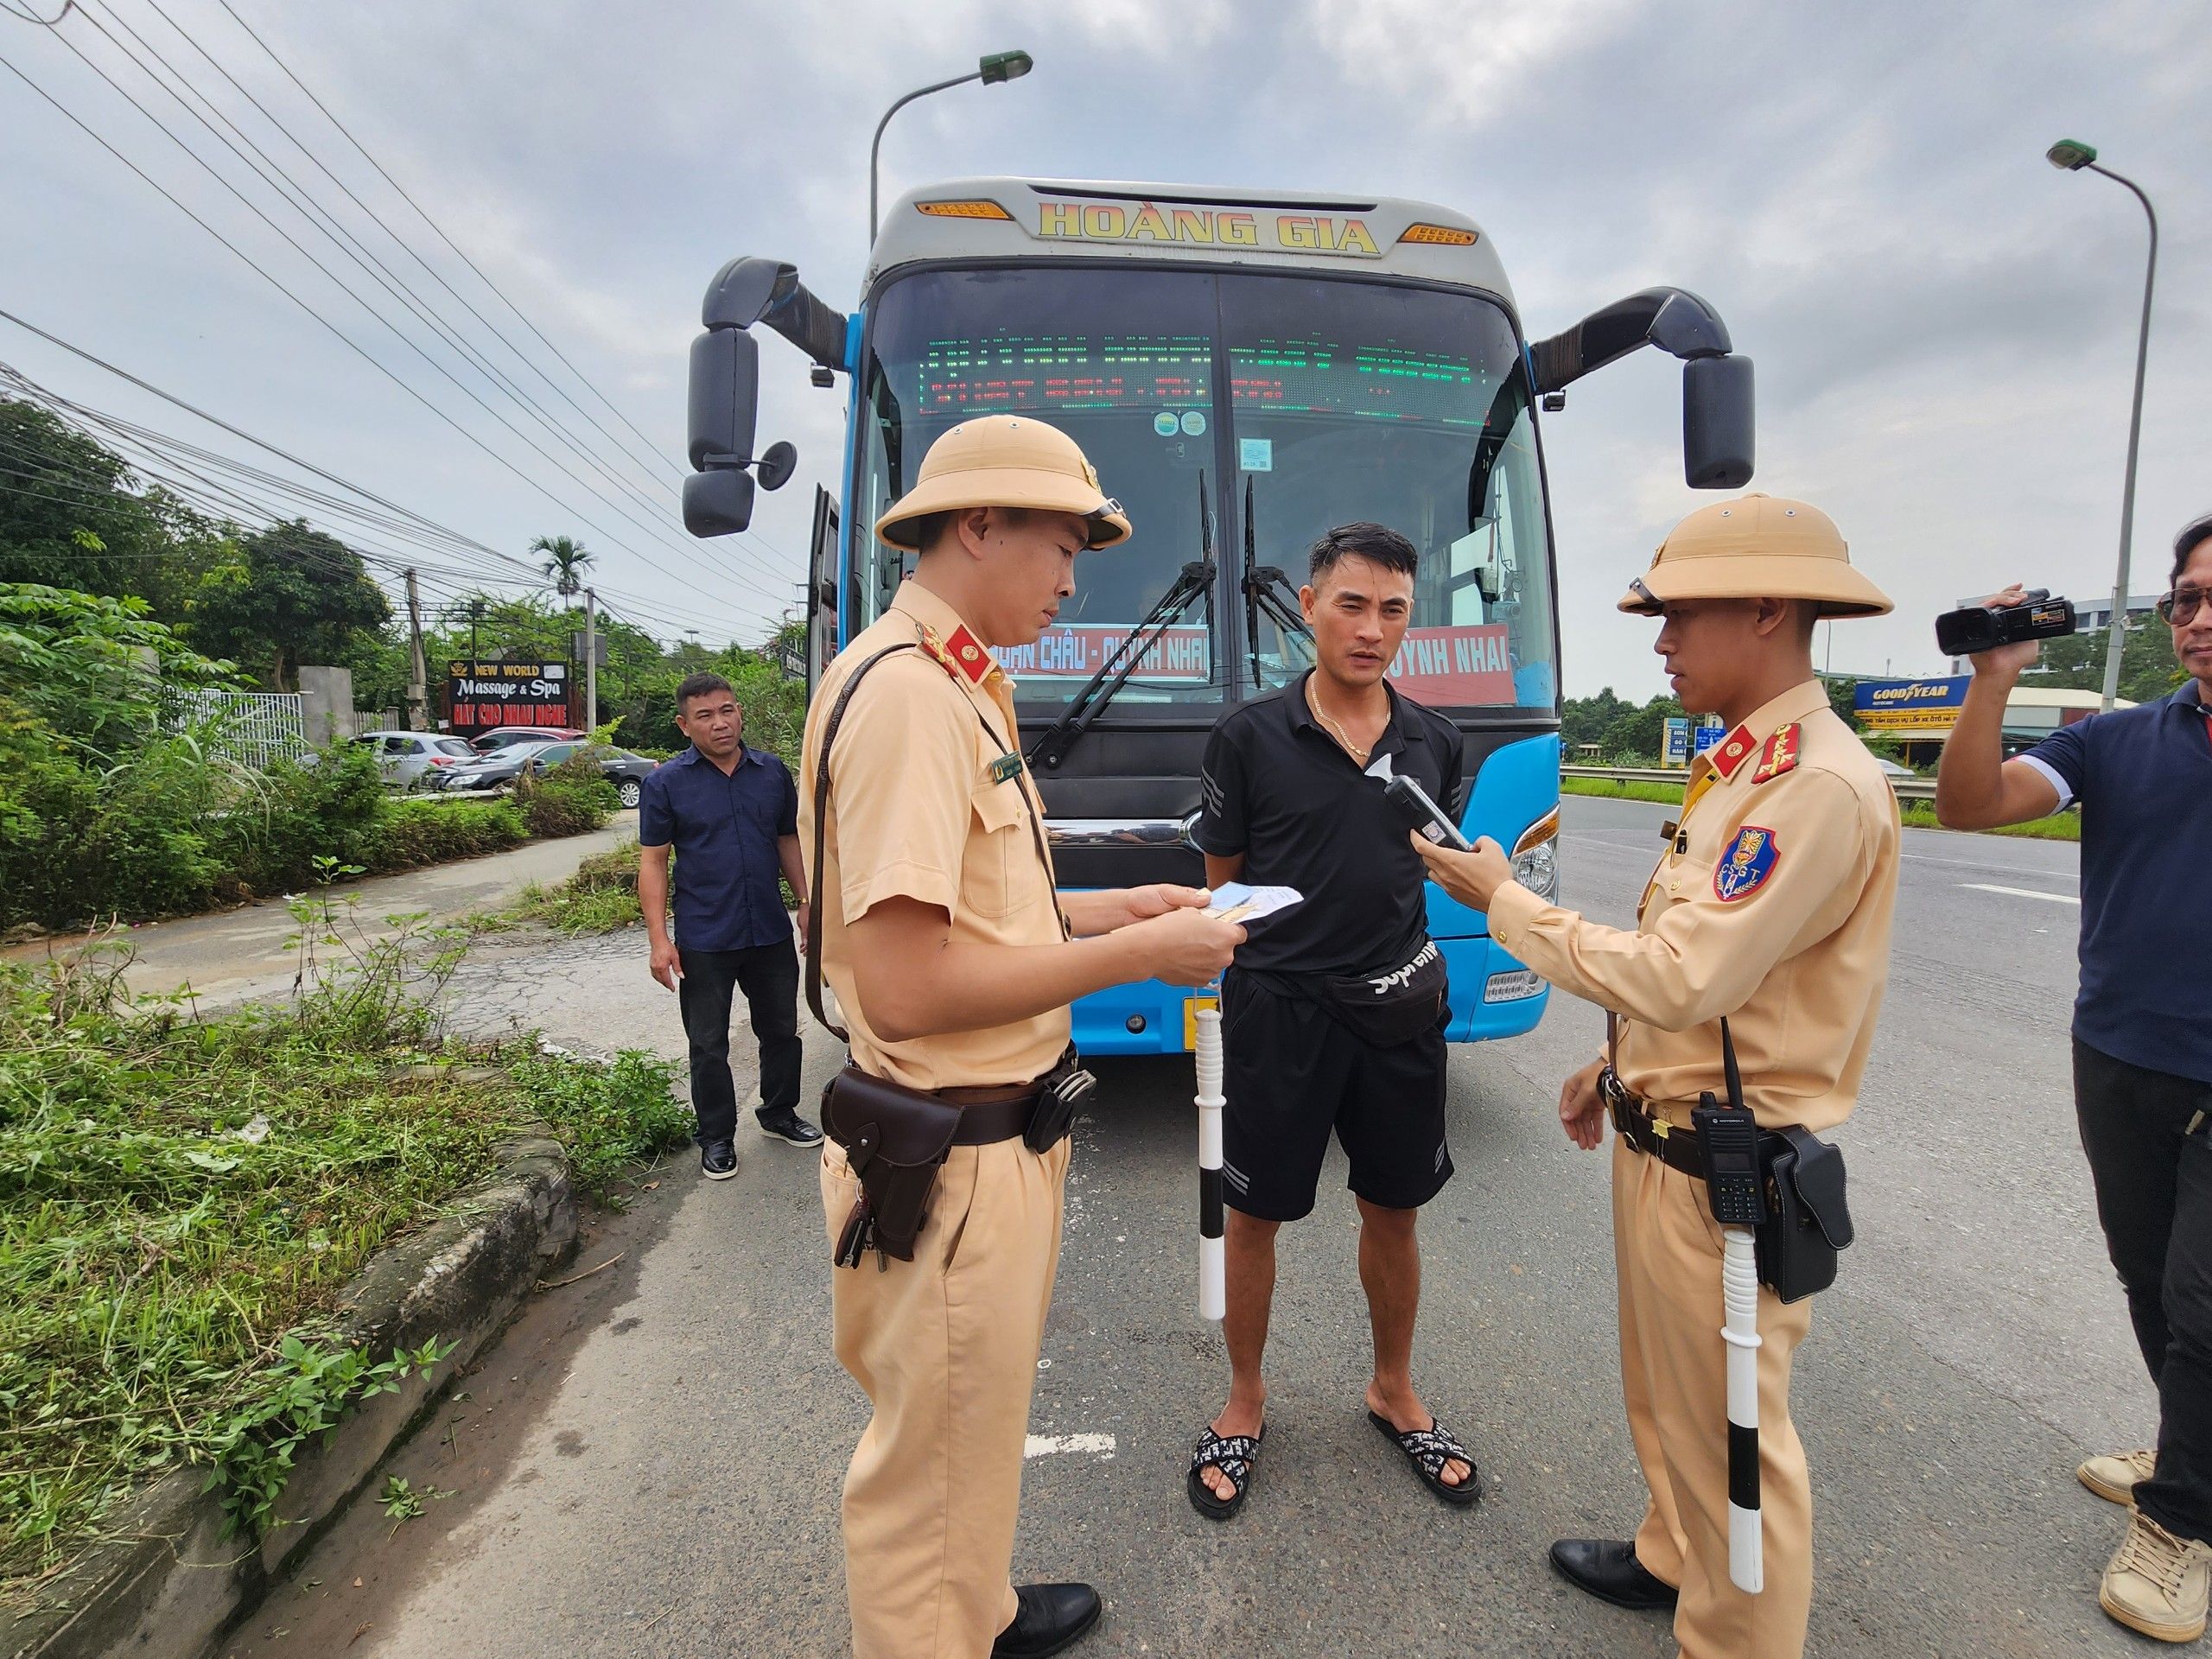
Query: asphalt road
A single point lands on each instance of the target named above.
(648, 1462)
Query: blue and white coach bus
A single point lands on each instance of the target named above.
(1245, 369)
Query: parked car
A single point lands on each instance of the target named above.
(626, 771)
(408, 759)
(506, 736)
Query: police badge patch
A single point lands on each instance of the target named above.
(1744, 868)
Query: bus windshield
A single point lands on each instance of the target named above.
(1209, 403)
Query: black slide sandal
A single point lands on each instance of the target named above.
(1234, 1455)
(1428, 1450)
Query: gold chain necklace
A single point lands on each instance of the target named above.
(1338, 732)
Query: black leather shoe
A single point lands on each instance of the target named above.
(788, 1125)
(1052, 1618)
(718, 1159)
(1608, 1569)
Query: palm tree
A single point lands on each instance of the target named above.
(565, 562)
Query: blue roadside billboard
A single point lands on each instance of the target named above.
(1899, 705)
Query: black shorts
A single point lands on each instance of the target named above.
(1292, 1071)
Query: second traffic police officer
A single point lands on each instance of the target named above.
(953, 960)
(1770, 908)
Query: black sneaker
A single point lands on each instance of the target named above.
(718, 1159)
(788, 1125)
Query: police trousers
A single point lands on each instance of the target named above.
(1674, 1375)
(945, 1348)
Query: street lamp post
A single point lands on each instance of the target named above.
(2070, 155)
(998, 66)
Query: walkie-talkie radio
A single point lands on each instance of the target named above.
(1729, 1138)
(1423, 815)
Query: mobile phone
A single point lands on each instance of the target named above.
(1423, 815)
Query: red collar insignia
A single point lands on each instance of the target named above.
(970, 655)
(964, 656)
(1733, 751)
(1779, 756)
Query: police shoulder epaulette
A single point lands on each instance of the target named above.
(1780, 755)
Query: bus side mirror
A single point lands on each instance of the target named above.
(1717, 423)
(724, 398)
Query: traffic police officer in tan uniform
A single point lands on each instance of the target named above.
(953, 961)
(1770, 907)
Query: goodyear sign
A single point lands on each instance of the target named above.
(1910, 705)
(1169, 225)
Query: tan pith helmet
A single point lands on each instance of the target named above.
(1005, 461)
(1757, 547)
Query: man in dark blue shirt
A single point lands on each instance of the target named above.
(2142, 1051)
(731, 813)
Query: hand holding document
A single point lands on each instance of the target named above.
(1234, 901)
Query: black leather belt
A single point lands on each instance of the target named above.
(990, 1115)
(1647, 1133)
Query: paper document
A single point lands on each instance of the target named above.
(1233, 901)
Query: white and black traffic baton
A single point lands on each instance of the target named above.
(1729, 1138)
(1213, 1296)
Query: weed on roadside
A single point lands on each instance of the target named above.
(182, 1197)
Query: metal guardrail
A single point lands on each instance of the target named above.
(1908, 789)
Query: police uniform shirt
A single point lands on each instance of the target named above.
(1771, 906)
(1284, 792)
(925, 805)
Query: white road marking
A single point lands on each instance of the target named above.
(1043, 1445)
(2021, 893)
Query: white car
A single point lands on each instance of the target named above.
(403, 757)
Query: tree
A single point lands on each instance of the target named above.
(566, 561)
(292, 596)
(91, 667)
(73, 516)
(2147, 667)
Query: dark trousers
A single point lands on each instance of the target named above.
(768, 975)
(2154, 1195)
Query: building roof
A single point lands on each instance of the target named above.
(2056, 697)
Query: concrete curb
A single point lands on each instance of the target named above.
(167, 1585)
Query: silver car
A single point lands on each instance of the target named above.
(405, 758)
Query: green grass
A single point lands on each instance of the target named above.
(1670, 794)
(601, 897)
(178, 1195)
(1913, 815)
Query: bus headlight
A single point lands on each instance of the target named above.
(1536, 857)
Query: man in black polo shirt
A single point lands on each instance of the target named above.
(2142, 1051)
(730, 814)
(1332, 1016)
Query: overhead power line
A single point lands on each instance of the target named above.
(177, 464)
(608, 537)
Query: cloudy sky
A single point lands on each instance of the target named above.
(1943, 325)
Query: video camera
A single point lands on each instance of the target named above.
(1977, 628)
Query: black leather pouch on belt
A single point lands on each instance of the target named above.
(895, 1139)
(1810, 1219)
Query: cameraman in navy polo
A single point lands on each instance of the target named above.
(2142, 1051)
(730, 814)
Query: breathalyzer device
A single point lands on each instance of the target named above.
(1423, 815)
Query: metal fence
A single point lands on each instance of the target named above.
(255, 729)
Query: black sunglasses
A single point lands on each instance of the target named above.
(2180, 607)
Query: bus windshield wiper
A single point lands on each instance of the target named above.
(1267, 592)
(1193, 581)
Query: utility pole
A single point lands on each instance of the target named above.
(475, 616)
(417, 676)
(591, 660)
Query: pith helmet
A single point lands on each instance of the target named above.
(1005, 461)
(1759, 547)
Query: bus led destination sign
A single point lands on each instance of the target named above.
(1205, 227)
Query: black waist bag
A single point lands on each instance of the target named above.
(1387, 1008)
(1808, 1219)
